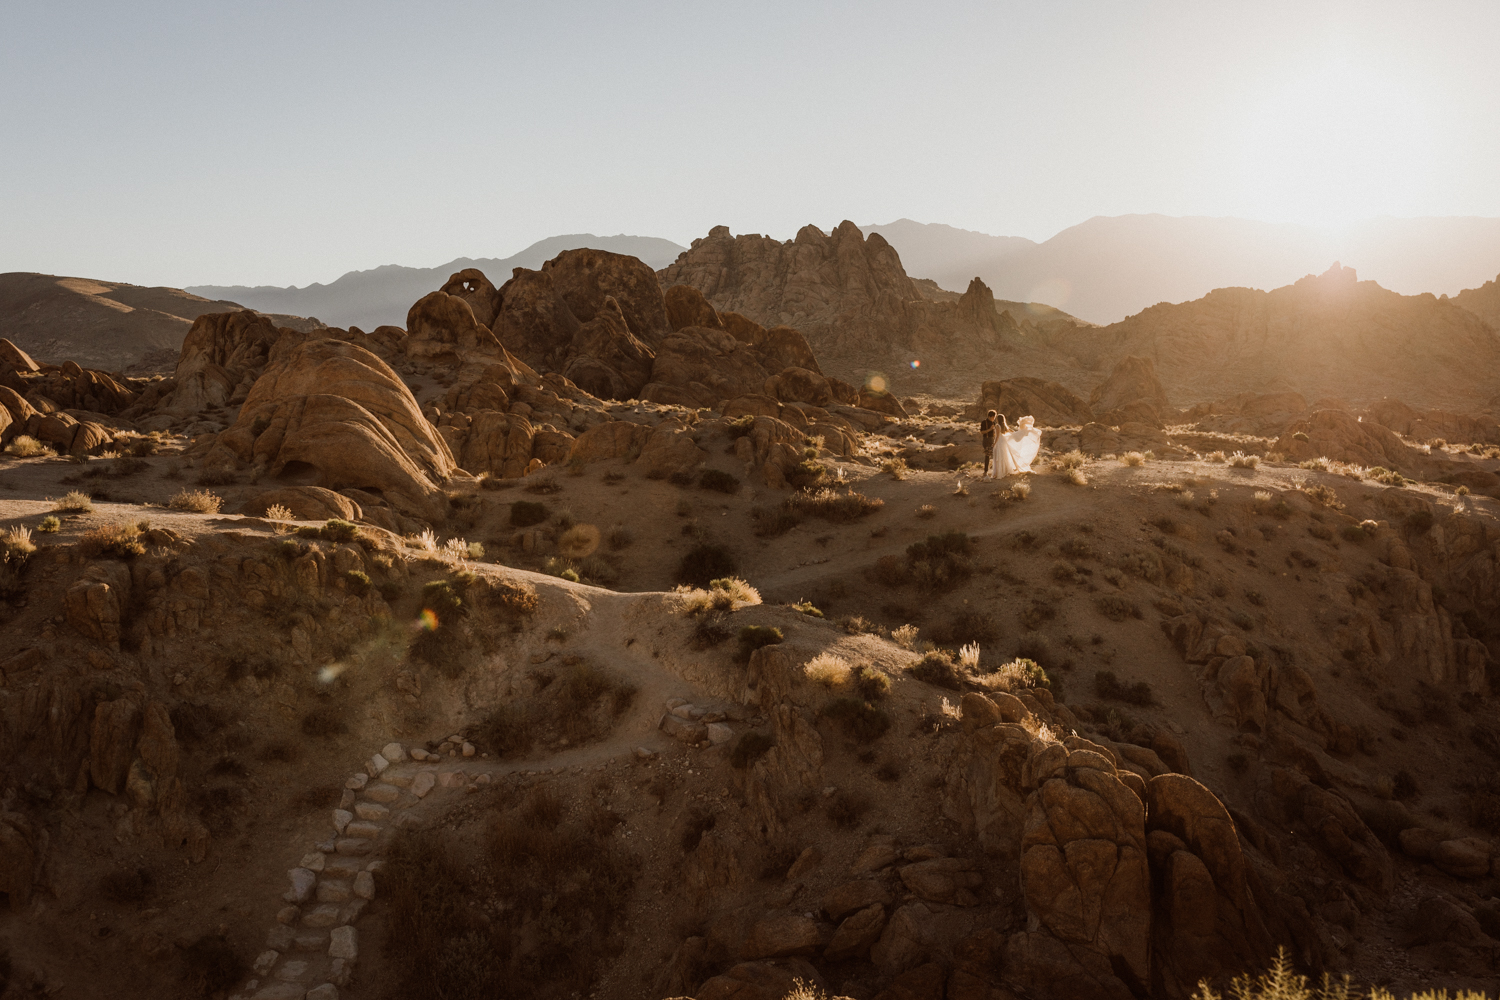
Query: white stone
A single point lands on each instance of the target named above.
(455, 740)
(323, 916)
(383, 793)
(376, 765)
(354, 846)
(344, 943)
(265, 962)
(292, 970)
(468, 749)
(325, 992)
(719, 732)
(332, 890)
(393, 752)
(303, 882)
(362, 829)
(357, 782)
(372, 811)
(483, 779)
(417, 753)
(422, 783)
(342, 867)
(399, 780)
(645, 754)
(313, 862)
(375, 866)
(339, 971)
(364, 885)
(341, 819)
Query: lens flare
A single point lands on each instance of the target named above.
(427, 621)
(916, 362)
(875, 382)
(330, 673)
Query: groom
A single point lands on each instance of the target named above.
(988, 428)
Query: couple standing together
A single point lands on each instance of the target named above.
(1008, 452)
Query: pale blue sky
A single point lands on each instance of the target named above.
(285, 143)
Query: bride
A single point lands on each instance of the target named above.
(1016, 449)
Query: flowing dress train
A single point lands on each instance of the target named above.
(1016, 450)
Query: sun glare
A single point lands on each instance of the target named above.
(1335, 143)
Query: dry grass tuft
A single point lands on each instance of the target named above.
(579, 541)
(833, 672)
(112, 541)
(196, 501)
(896, 467)
(1077, 478)
(905, 636)
(26, 446)
(927, 511)
(1070, 460)
(74, 502)
(278, 512)
(1013, 676)
(16, 545)
(831, 505)
(1240, 460)
(1133, 458)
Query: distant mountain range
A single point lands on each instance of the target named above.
(1108, 268)
(382, 295)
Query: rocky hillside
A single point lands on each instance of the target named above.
(1325, 336)
(101, 324)
(1483, 301)
(583, 638)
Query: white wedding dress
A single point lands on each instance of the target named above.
(1016, 450)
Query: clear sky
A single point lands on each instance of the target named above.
(288, 142)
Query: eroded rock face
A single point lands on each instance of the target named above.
(697, 366)
(222, 355)
(1050, 403)
(1131, 393)
(474, 288)
(606, 359)
(442, 328)
(336, 414)
(1343, 437)
(585, 278)
(845, 292)
(534, 322)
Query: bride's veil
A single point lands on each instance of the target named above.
(1026, 442)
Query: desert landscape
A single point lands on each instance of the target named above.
(491, 506)
(590, 609)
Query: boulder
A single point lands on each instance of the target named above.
(605, 358)
(1464, 857)
(943, 880)
(534, 322)
(15, 359)
(334, 415)
(474, 288)
(609, 440)
(585, 278)
(799, 385)
(1132, 384)
(220, 351)
(881, 402)
(686, 306)
(112, 743)
(761, 981)
(442, 328)
(856, 934)
(859, 894)
(1344, 437)
(698, 366)
(307, 503)
(1051, 404)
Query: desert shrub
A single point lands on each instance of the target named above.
(1133, 458)
(847, 808)
(544, 484)
(73, 502)
(889, 571)
(806, 474)
(112, 541)
(16, 545)
(1117, 608)
(278, 512)
(773, 522)
(828, 670)
(941, 561)
(807, 608)
(1070, 460)
(196, 501)
(860, 720)
(831, 505)
(858, 625)
(618, 537)
(896, 467)
(1323, 495)
(336, 530)
(1076, 477)
(1240, 460)
(905, 636)
(937, 668)
(217, 477)
(719, 481)
(525, 513)
(1111, 688)
(927, 512)
(49, 525)
(970, 624)
(753, 637)
(705, 562)
(357, 581)
(578, 541)
(26, 446)
(1017, 674)
(738, 427)
(749, 748)
(730, 593)
(870, 683)
(1355, 533)
(1385, 476)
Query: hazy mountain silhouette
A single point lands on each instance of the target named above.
(1108, 268)
(382, 295)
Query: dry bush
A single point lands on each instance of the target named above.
(73, 502)
(1020, 491)
(969, 624)
(1070, 460)
(1323, 495)
(831, 505)
(48, 525)
(1117, 608)
(618, 537)
(1013, 676)
(1280, 982)
(1111, 688)
(1386, 477)
(860, 719)
(773, 522)
(927, 511)
(938, 563)
(730, 593)
(16, 545)
(828, 670)
(525, 513)
(112, 541)
(896, 467)
(753, 637)
(1240, 460)
(938, 669)
(196, 501)
(579, 541)
(544, 484)
(278, 512)
(1217, 457)
(26, 446)
(905, 636)
(1077, 478)
(1133, 458)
